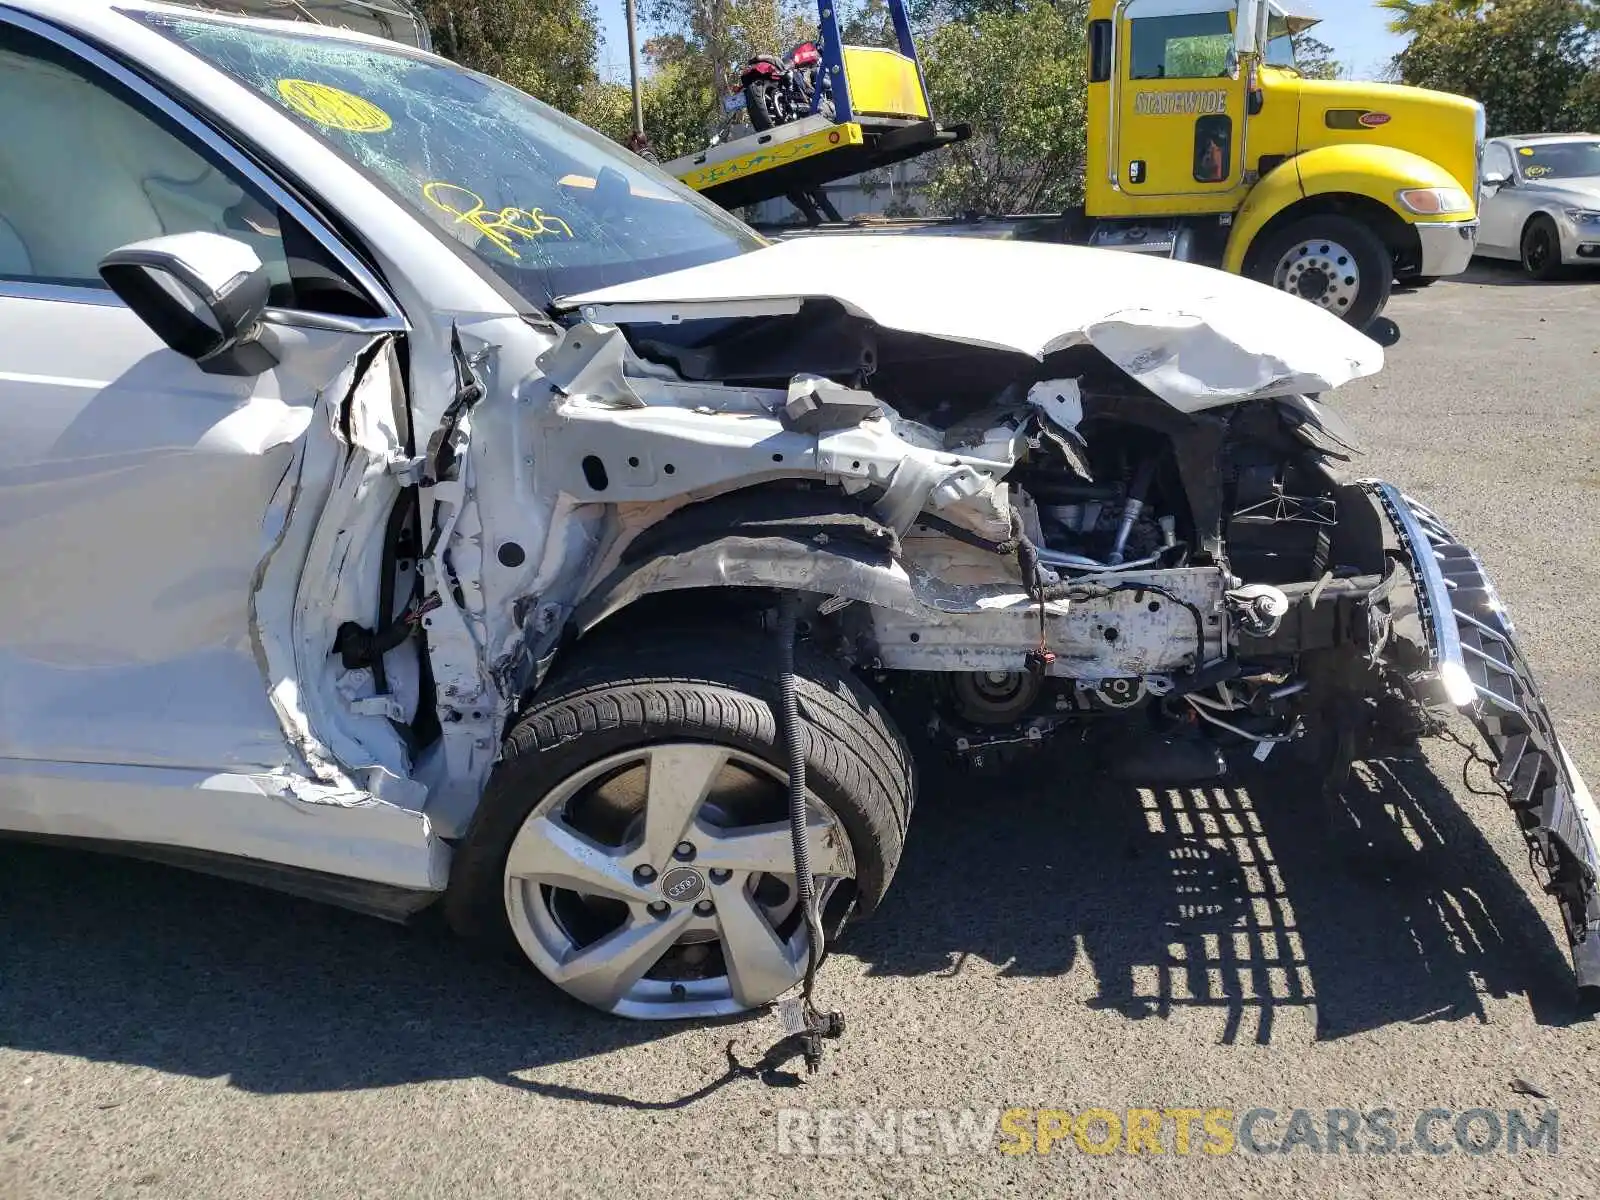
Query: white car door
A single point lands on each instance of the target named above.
(1499, 230)
(133, 485)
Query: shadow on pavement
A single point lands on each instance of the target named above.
(1235, 899)
(1390, 908)
(124, 961)
(1496, 272)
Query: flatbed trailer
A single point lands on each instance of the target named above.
(881, 116)
(796, 160)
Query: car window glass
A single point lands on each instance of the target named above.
(85, 168)
(1497, 161)
(548, 206)
(1193, 46)
(1560, 160)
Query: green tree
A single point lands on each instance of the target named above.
(674, 102)
(1314, 57)
(1532, 63)
(1411, 15)
(866, 24)
(545, 47)
(1017, 76)
(714, 36)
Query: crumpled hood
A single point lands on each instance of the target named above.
(1194, 336)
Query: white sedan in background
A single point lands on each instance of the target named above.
(1541, 202)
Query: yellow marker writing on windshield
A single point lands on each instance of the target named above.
(333, 107)
(501, 225)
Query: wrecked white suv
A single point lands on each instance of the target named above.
(407, 495)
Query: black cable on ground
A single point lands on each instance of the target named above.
(794, 747)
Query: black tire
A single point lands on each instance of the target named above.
(702, 687)
(759, 99)
(1416, 282)
(1363, 246)
(1541, 249)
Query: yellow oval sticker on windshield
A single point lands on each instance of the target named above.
(333, 107)
(1526, 152)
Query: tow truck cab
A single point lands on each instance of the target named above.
(1207, 143)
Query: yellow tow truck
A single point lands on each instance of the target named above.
(1205, 144)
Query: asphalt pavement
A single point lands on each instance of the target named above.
(1052, 942)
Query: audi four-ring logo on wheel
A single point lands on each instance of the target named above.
(682, 883)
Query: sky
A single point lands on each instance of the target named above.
(1354, 28)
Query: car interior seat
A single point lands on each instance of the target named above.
(81, 173)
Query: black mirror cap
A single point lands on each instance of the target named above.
(201, 294)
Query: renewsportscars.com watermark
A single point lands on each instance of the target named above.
(847, 1132)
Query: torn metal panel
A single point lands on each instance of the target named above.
(927, 621)
(1196, 337)
(615, 440)
(339, 584)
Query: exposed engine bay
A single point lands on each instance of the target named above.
(1057, 546)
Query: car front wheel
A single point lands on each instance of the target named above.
(633, 841)
(1541, 249)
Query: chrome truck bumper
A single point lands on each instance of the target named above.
(1447, 246)
(1478, 668)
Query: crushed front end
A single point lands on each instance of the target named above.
(1475, 665)
(1111, 516)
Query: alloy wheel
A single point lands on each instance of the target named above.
(659, 882)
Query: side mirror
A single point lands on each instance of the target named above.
(1495, 179)
(202, 294)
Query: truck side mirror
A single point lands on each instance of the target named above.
(1248, 26)
(202, 294)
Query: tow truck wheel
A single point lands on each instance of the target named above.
(633, 841)
(1331, 261)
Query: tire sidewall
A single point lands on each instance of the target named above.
(475, 900)
(755, 103)
(1542, 227)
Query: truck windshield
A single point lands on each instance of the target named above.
(1560, 160)
(1280, 45)
(547, 205)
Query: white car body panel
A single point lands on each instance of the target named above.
(269, 818)
(1194, 336)
(134, 489)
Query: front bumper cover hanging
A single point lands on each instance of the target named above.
(1480, 669)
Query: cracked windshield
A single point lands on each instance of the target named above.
(545, 204)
